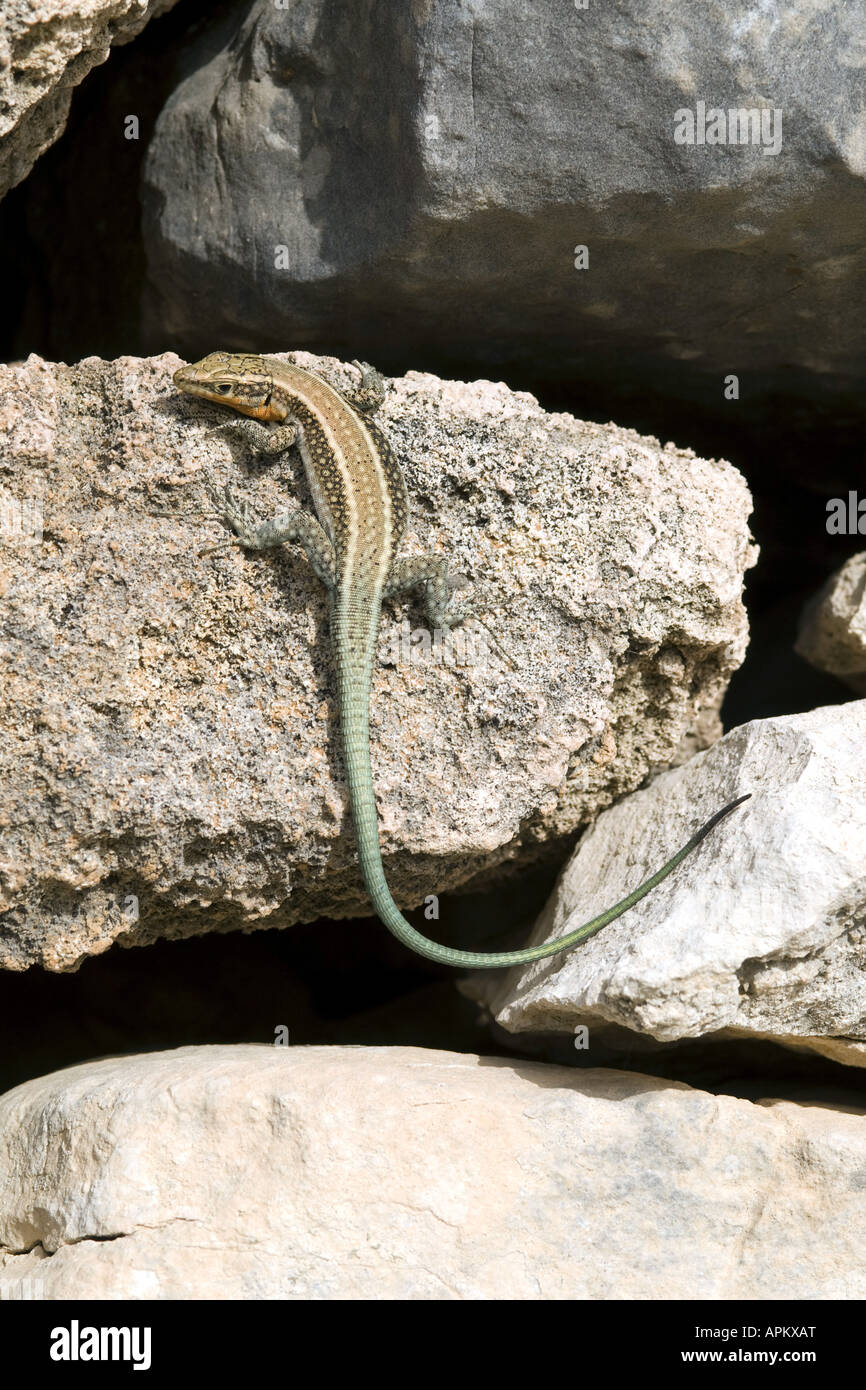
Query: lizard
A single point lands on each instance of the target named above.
(352, 543)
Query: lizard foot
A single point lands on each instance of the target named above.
(370, 393)
(233, 512)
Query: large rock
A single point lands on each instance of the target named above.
(46, 48)
(832, 632)
(328, 1173)
(169, 733)
(428, 172)
(761, 932)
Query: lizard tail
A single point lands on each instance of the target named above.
(355, 722)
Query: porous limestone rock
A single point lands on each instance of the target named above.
(507, 175)
(46, 48)
(256, 1172)
(832, 632)
(170, 754)
(761, 932)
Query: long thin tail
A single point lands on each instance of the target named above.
(356, 738)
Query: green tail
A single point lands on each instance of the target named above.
(355, 707)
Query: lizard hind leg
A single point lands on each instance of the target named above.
(430, 573)
(442, 613)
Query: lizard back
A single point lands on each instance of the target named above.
(357, 484)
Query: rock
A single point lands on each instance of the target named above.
(832, 633)
(252, 1172)
(46, 48)
(761, 932)
(430, 177)
(170, 737)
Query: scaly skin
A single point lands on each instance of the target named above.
(360, 498)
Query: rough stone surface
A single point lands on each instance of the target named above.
(431, 168)
(170, 737)
(46, 48)
(761, 931)
(319, 1173)
(832, 633)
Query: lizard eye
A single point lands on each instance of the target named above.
(223, 387)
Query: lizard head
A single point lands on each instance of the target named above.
(239, 380)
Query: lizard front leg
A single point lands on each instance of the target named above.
(370, 393)
(298, 526)
(264, 440)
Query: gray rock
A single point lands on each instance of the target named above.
(45, 51)
(832, 633)
(255, 1172)
(429, 174)
(760, 933)
(170, 753)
